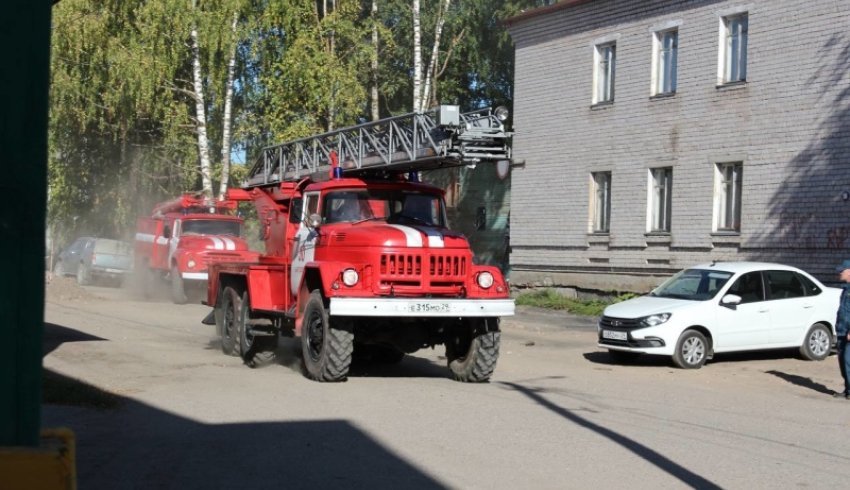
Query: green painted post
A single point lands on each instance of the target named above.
(24, 78)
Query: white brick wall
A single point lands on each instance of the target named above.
(789, 124)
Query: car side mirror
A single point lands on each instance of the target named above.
(731, 301)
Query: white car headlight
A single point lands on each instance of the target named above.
(656, 319)
(350, 277)
(485, 280)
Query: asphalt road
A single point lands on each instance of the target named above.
(557, 414)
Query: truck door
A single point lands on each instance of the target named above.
(174, 241)
(304, 242)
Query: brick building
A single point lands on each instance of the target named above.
(658, 134)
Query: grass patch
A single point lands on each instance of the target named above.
(551, 299)
(57, 389)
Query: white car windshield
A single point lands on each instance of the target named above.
(693, 284)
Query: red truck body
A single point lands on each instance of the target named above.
(183, 236)
(360, 265)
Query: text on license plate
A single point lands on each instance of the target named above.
(611, 334)
(428, 307)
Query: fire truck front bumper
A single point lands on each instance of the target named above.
(195, 276)
(422, 307)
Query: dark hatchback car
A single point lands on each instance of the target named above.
(90, 258)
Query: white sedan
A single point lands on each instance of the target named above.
(724, 307)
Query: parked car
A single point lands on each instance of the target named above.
(724, 307)
(90, 258)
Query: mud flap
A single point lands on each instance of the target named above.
(209, 319)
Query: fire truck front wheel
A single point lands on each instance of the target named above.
(473, 349)
(178, 289)
(326, 348)
(230, 305)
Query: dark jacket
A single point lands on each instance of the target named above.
(842, 324)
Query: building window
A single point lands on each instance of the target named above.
(601, 201)
(605, 58)
(733, 49)
(665, 45)
(660, 199)
(727, 197)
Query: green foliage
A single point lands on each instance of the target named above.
(122, 117)
(550, 298)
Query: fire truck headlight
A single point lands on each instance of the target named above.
(501, 113)
(350, 277)
(191, 263)
(485, 280)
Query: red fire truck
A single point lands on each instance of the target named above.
(182, 237)
(359, 260)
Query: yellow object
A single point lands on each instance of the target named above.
(51, 466)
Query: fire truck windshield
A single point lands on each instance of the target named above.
(210, 227)
(394, 206)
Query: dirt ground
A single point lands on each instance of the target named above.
(162, 407)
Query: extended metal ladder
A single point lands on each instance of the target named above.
(441, 137)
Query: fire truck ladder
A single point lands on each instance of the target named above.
(441, 137)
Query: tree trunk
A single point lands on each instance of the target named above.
(200, 115)
(228, 108)
(432, 64)
(417, 58)
(375, 112)
(332, 101)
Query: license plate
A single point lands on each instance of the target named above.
(428, 307)
(611, 334)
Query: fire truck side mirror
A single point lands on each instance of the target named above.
(295, 211)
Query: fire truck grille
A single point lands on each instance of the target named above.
(214, 257)
(423, 273)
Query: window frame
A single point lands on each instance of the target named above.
(600, 213)
(604, 78)
(659, 200)
(723, 182)
(664, 75)
(733, 56)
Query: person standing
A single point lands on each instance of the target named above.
(842, 329)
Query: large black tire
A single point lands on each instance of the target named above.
(326, 349)
(255, 350)
(473, 350)
(83, 274)
(228, 318)
(691, 350)
(178, 289)
(817, 344)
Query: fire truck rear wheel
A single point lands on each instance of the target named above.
(230, 305)
(256, 351)
(178, 289)
(326, 348)
(474, 349)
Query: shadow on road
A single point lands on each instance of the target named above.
(802, 381)
(646, 453)
(289, 355)
(123, 443)
(56, 335)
